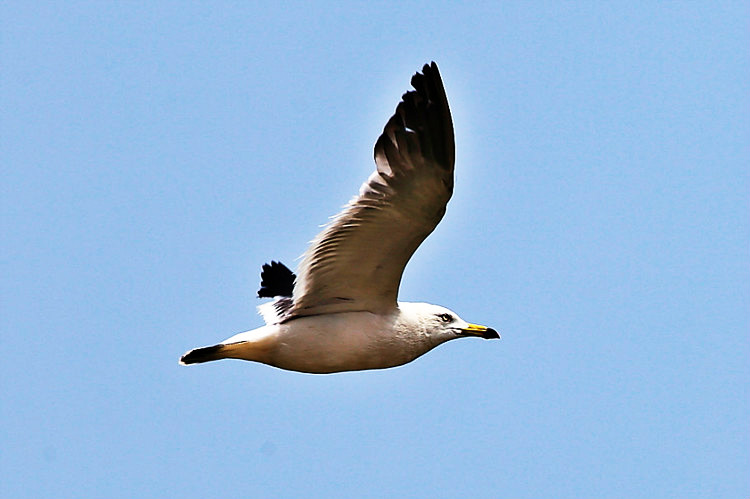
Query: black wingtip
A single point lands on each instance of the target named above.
(200, 355)
(428, 68)
(276, 280)
(429, 71)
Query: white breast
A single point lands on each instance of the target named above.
(348, 341)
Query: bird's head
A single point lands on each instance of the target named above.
(444, 324)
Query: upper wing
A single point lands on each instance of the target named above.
(357, 261)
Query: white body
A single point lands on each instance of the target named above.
(347, 341)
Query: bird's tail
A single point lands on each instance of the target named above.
(205, 354)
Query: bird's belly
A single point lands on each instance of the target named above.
(349, 341)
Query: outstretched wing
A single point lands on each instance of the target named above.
(357, 261)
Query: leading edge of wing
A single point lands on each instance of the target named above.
(356, 262)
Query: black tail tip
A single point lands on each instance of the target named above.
(200, 355)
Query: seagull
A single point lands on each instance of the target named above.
(341, 313)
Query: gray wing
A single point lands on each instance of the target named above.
(357, 261)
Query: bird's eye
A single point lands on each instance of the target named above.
(446, 317)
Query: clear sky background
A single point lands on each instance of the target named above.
(155, 154)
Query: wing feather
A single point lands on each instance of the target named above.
(356, 262)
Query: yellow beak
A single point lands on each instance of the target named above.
(481, 331)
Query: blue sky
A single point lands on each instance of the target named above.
(155, 154)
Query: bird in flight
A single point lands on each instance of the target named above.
(341, 313)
